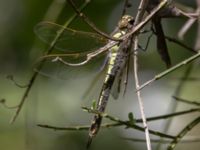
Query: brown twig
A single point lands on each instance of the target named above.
(118, 122)
(170, 39)
(90, 23)
(128, 124)
(166, 72)
(35, 74)
(183, 132)
(139, 16)
(177, 92)
(142, 23)
(197, 44)
(11, 78)
(164, 141)
(169, 115)
(186, 101)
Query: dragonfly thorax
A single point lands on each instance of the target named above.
(126, 22)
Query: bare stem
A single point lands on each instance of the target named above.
(170, 39)
(186, 101)
(35, 74)
(169, 115)
(164, 141)
(183, 132)
(139, 16)
(118, 122)
(90, 23)
(166, 72)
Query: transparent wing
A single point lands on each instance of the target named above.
(70, 40)
(116, 88)
(58, 70)
(118, 82)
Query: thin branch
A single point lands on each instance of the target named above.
(11, 78)
(181, 134)
(189, 79)
(33, 77)
(35, 74)
(169, 115)
(128, 124)
(186, 101)
(170, 39)
(166, 72)
(197, 44)
(145, 20)
(106, 125)
(178, 91)
(77, 128)
(136, 29)
(164, 141)
(3, 102)
(139, 16)
(90, 23)
(117, 123)
(188, 25)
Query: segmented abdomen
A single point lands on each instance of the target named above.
(115, 64)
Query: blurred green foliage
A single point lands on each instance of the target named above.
(47, 102)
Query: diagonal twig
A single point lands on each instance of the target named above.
(183, 132)
(186, 101)
(164, 141)
(90, 23)
(170, 39)
(35, 74)
(166, 72)
(169, 115)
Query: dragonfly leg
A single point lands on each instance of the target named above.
(147, 43)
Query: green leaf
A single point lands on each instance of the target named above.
(94, 105)
(131, 118)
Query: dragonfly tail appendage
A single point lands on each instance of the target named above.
(102, 102)
(96, 122)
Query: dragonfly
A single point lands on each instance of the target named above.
(91, 45)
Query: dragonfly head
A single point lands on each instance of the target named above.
(126, 22)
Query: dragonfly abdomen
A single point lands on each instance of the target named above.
(102, 102)
(115, 64)
(113, 69)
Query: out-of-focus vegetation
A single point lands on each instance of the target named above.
(58, 102)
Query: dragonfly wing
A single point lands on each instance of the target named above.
(161, 43)
(58, 70)
(115, 91)
(68, 40)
